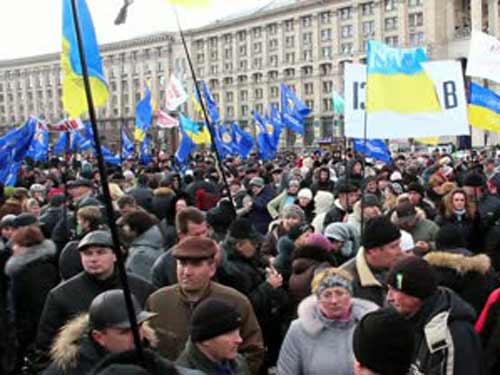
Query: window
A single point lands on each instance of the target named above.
(326, 52)
(307, 70)
(309, 103)
(257, 32)
(229, 96)
(306, 21)
(275, 92)
(243, 65)
(326, 34)
(414, 3)
(272, 28)
(390, 5)
(212, 42)
(327, 105)
(289, 73)
(257, 47)
(391, 23)
(227, 38)
(257, 77)
(230, 111)
(273, 60)
(289, 25)
(200, 44)
(244, 110)
(346, 31)
(243, 95)
(307, 55)
(243, 50)
(308, 88)
(368, 27)
(228, 53)
(325, 17)
(327, 87)
(307, 38)
(289, 41)
(367, 9)
(416, 19)
(214, 69)
(213, 55)
(346, 13)
(391, 41)
(273, 44)
(242, 35)
(259, 108)
(346, 48)
(257, 63)
(417, 39)
(290, 58)
(228, 67)
(273, 75)
(259, 93)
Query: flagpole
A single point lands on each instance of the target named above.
(105, 188)
(204, 110)
(365, 131)
(121, 143)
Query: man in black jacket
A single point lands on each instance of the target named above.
(444, 336)
(75, 295)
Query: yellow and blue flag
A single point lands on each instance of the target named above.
(293, 110)
(73, 89)
(265, 140)
(397, 82)
(127, 145)
(243, 140)
(186, 145)
(211, 104)
(39, 148)
(145, 155)
(275, 119)
(484, 108)
(143, 116)
(198, 133)
(372, 148)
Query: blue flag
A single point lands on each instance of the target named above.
(127, 145)
(293, 110)
(145, 156)
(211, 104)
(375, 148)
(265, 141)
(109, 157)
(39, 148)
(275, 118)
(243, 139)
(186, 147)
(143, 116)
(13, 149)
(228, 145)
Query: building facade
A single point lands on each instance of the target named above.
(244, 58)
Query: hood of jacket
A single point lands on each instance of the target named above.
(44, 250)
(73, 336)
(420, 215)
(150, 238)
(313, 323)
(460, 263)
(323, 201)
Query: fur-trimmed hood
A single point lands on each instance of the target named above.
(313, 324)
(46, 249)
(67, 346)
(461, 263)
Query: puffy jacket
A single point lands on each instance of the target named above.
(143, 252)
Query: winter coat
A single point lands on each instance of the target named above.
(305, 263)
(164, 270)
(367, 283)
(466, 225)
(193, 358)
(276, 205)
(317, 345)
(428, 207)
(248, 277)
(70, 263)
(270, 244)
(327, 185)
(259, 215)
(174, 312)
(31, 277)
(425, 229)
(143, 252)
(161, 201)
(49, 220)
(445, 341)
(74, 296)
(308, 210)
(335, 214)
(468, 275)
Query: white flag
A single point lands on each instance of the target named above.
(66, 125)
(484, 57)
(164, 120)
(175, 95)
(451, 120)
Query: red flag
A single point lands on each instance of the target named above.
(164, 120)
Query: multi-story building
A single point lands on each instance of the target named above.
(244, 58)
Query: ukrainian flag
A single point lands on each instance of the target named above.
(198, 133)
(397, 82)
(484, 108)
(73, 89)
(143, 116)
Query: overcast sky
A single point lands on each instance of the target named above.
(32, 27)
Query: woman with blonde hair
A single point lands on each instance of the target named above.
(320, 340)
(32, 206)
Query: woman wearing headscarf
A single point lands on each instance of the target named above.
(320, 340)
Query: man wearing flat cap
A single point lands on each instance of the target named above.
(174, 304)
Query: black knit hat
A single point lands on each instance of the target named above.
(383, 342)
(413, 276)
(474, 179)
(243, 229)
(297, 230)
(211, 318)
(379, 231)
(415, 186)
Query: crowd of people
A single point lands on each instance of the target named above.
(320, 263)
